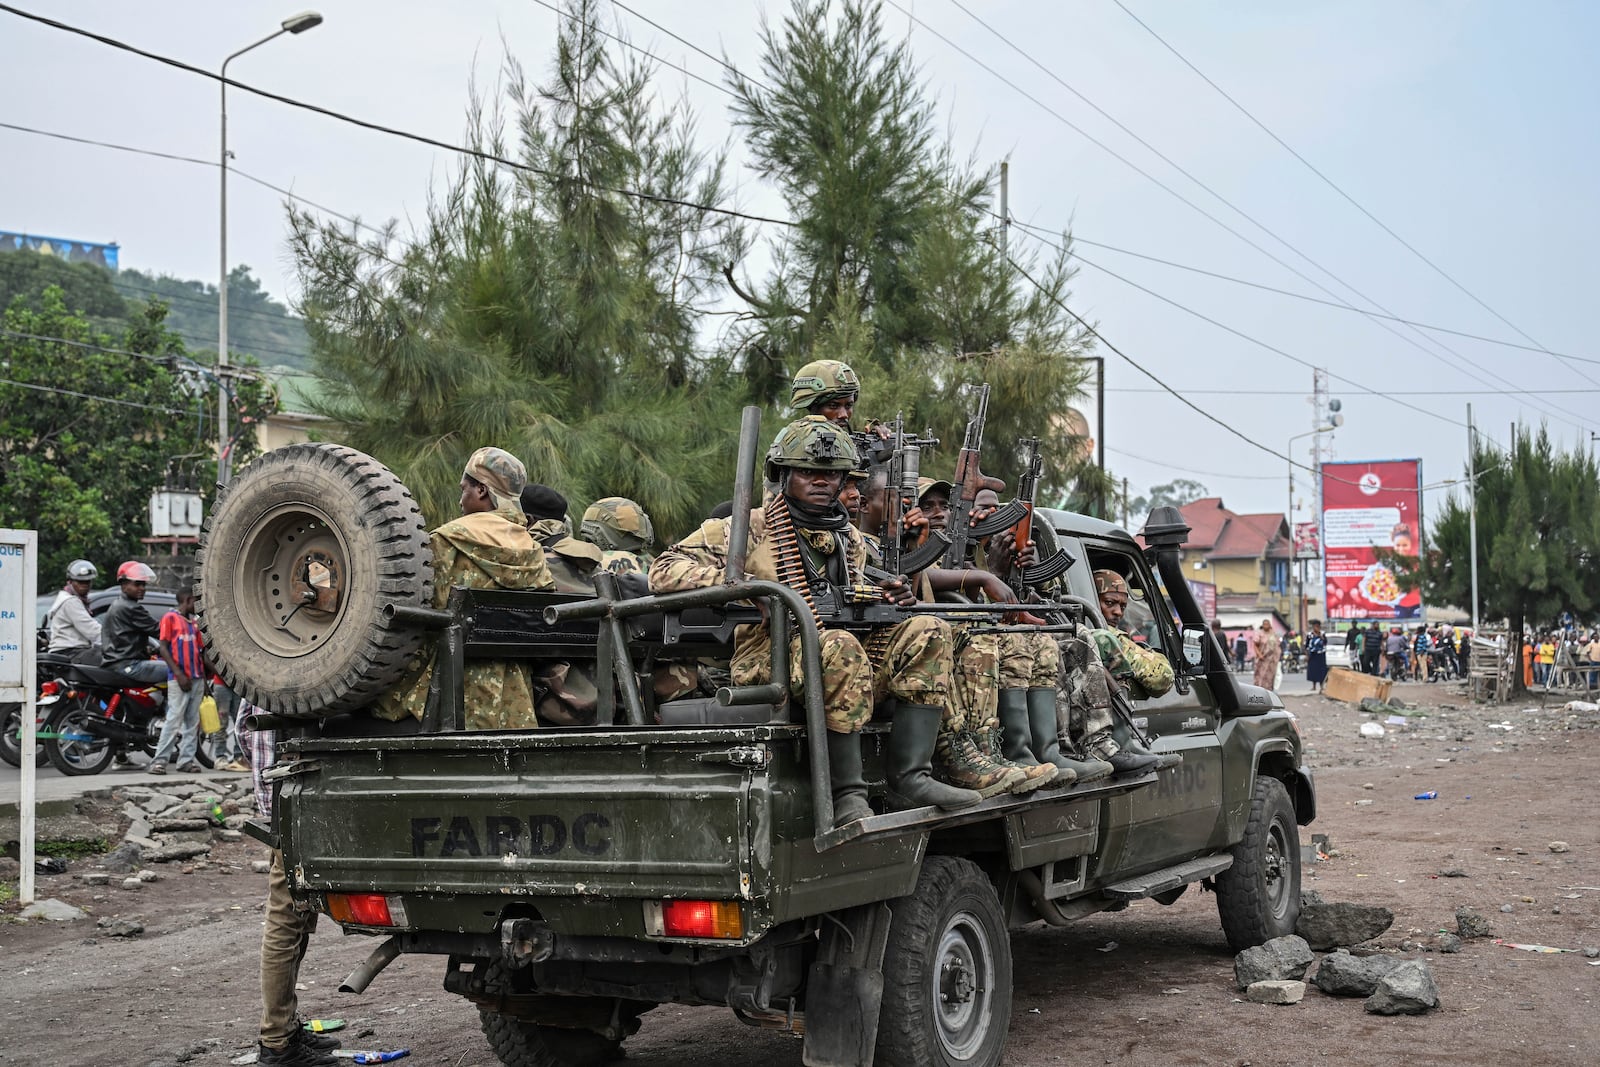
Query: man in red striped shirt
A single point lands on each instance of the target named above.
(180, 641)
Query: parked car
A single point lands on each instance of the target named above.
(1339, 654)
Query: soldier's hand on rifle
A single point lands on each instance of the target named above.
(898, 591)
(998, 592)
(914, 522)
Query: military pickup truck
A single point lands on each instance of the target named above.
(683, 852)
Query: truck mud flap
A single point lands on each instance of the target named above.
(931, 818)
(844, 991)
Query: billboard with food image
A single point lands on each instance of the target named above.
(1367, 507)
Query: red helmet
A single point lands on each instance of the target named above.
(134, 571)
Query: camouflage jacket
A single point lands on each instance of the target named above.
(572, 562)
(1127, 660)
(618, 561)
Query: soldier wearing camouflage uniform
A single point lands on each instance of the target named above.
(622, 531)
(800, 538)
(1092, 662)
(828, 388)
(572, 562)
(488, 547)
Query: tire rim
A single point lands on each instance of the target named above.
(963, 985)
(292, 584)
(1275, 869)
(80, 753)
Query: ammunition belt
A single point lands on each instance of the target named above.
(786, 552)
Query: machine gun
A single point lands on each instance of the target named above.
(969, 480)
(905, 467)
(1021, 577)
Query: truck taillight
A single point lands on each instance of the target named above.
(715, 919)
(366, 909)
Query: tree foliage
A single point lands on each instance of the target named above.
(259, 327)
(893, 265)
(1173, 494)
(542, 311)
(81, 452)
(1538, 536)
(85, 288)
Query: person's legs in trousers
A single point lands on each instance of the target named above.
(189, 735)
(147, 672)
(172, 730)
(285, 934)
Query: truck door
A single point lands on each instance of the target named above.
(1179, 815)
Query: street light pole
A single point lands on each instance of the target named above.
(1472, 516)
(293, 24)
(1288, 452)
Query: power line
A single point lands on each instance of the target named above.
(602, 31)
(1168, 465)
(92, 396)
(339, 116)
(691, 45)
(1387, 392)
(1191, 204)
(1331, 184)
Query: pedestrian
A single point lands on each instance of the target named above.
(1220, 637)
(1544, 671)
(180, 645)
(1265, 645)
(1241, 647)
(1316, 656)
(1591, 656)
(283, 1041)
(1371, 649)
(127, 628)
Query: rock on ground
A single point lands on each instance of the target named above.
(1409, 989)
(1281, 959)
(120, 927)
(1344, 975)
(54, 910)
(1469, 924)
(1326, 926)
(1447, 943)
(1275, 992)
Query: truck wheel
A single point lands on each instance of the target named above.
(297, 562)
(1259, 896)
(517, 1043)
(947, 972)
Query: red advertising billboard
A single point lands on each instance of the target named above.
(1367, 506)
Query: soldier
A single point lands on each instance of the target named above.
(572, 562)
(828, 388)
(488, 547)
(800, 538)
(1097, 659)
(623, 533)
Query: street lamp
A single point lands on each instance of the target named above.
(1335, 421)
(293, 24)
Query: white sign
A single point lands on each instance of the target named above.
(1359, 527)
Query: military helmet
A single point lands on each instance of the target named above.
(822, 380)
(813, 444)
(618, 524)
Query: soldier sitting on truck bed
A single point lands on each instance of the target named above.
(572, 562)
(622, 531)
(801, 539)
(488, 547)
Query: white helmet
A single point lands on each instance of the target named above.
(81, 570)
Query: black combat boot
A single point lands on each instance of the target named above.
(1016, 734)
(1128, 741)
(909, 762)
(846, 777)
(1044, 730)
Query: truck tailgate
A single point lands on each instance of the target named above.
(664, 813)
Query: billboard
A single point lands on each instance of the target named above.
(1367, 506)
(1307, 541)
(1205, 595)
(73, 251)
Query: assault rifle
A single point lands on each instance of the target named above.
(1021, 576)
(969, 480)
(905, 467)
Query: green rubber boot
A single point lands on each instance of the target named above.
(909, 762)
(1016, 733)
(847, 778)
(1044, 728)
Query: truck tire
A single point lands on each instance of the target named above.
(1258, 897)
(518, 1043)
(946, 972)
(297, 561)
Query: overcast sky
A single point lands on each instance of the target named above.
(1468, 128)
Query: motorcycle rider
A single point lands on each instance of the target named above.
(128, 627)
(74, 632)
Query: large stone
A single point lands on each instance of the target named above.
(168, 826)
(1409, 989)
(168, 853)
(120, 927)
(1275, 992)
(97, 878)
(1344, 975)
(156, 803)
(54, 910)
(1469, 924)
(1326, 926)
(1281, 959)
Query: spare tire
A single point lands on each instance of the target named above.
(297, 561)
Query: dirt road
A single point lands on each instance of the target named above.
(1150, 985)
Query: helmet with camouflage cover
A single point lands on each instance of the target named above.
(822, 380)
(813, 444)
(618, 524)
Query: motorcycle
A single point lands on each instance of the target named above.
(11, 716)
(97, 714)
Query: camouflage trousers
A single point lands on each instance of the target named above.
(1083, 697)
(496, 694)
(976, 692)
(1028, 661)
(910, 661)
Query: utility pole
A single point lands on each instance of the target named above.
(1472, 515)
